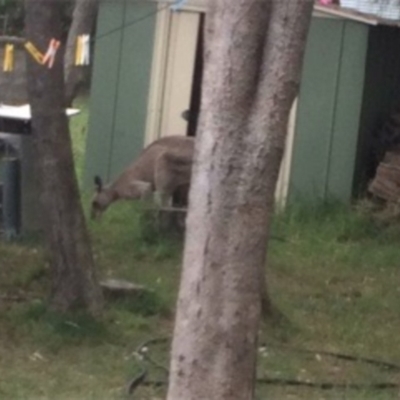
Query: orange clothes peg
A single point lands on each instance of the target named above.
(50, 55)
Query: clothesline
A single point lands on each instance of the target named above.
(82, 50)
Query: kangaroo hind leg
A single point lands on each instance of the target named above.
(169, 174)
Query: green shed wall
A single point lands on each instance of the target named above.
(329, 111)
(120, 86)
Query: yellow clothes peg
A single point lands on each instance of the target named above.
(8, 64)
(82, 50)
(78, 50)
(35, 53)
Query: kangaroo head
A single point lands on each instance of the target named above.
(102, 198)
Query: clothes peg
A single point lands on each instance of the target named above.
(34, 52)
(50, 55)
(82, 52)
(8, 64)
(78, 51)
(86, 50)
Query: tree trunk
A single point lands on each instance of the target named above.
(83, 21)
(73, 274)
(253, 61)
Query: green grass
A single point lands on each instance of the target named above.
(336, 278)
(48, 356)
(334, 272)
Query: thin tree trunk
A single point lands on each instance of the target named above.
(253, 60)
(73, 273)
(83, 21)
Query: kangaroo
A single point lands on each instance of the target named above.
(161, 168)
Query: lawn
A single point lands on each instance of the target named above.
(333, 271)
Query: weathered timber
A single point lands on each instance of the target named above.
(386, 183)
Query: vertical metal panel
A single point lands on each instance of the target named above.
(329, 110)
(120, 84)
(104, 90)
(316, 109)
(347, 112)
(133, 85)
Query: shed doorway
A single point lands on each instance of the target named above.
(175, 87)
(176, 73)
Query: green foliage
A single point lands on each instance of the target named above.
(337, 222)
(134, 228)
(334, 275)
(144, 304)
(26, 277)
(70, 328)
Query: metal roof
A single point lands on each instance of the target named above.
(354, 15)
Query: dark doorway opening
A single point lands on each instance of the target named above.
(195, 100)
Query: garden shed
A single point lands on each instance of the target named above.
(147, 71)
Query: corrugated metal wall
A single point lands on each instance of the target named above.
(329, 111)
(120, 87)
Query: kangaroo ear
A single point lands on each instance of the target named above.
(98, 183)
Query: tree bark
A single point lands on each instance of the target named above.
(83, 21)
(74, 282)
(253, 61)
